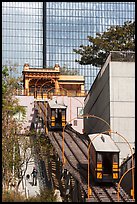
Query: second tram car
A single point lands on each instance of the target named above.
(104, 158)
(56, 115)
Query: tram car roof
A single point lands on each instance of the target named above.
(54, 104)
(103, 143)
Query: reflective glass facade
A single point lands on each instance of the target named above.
(69, 23)
(43, 34)
(22, 34)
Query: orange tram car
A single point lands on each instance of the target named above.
(104, 158)
(56, 115)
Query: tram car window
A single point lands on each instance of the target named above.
(56, 115)
(104, 158)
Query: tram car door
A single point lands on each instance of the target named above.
(104, 158)
(60, 117)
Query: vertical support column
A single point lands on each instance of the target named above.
(44, 34)
(56, 86)
(70, 108)
(45, 117)
(82, 89)
(75, 192)
(27, 87)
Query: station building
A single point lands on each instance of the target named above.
(46, 84)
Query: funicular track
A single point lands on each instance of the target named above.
(76, 162)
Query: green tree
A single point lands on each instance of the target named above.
(116, 38)
(66, 71)
(17, 149)
(10, 128)
(46, 195)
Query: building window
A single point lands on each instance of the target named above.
(75, 122)
(79, 112)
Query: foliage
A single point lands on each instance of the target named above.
(66, 71)
(116, 38)
(9, 86)
(11, 196)
(46, 195)
(42, 146)
(10, 104)
(14, 143)
(10, 128)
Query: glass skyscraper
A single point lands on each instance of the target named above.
(45, 33)
(22, 34)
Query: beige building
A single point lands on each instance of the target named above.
(45, 82)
